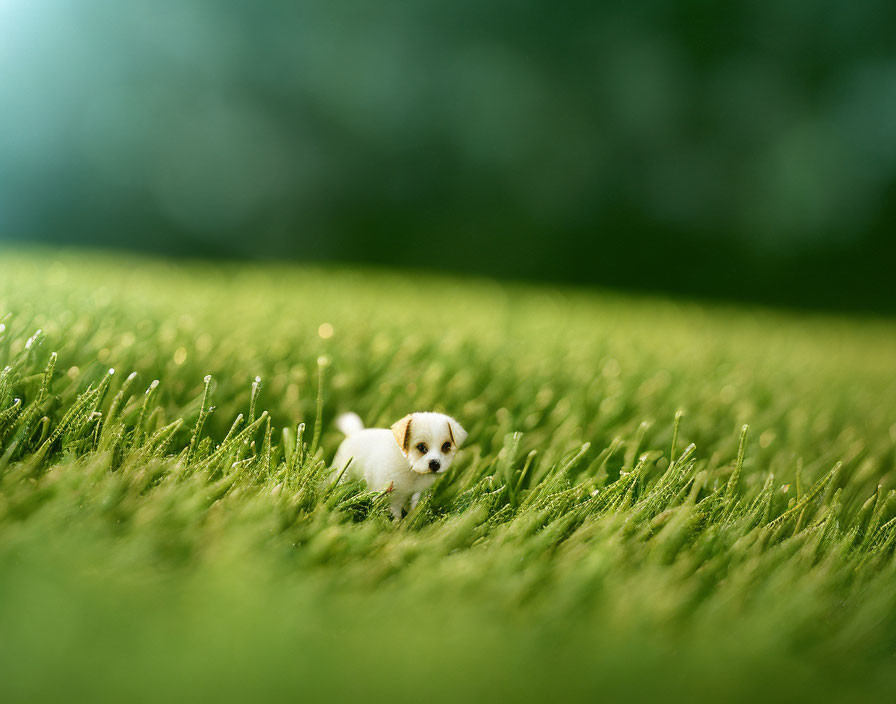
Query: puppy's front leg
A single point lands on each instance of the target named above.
(395, 508)
(415, 499)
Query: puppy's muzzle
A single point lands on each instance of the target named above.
(435, 465)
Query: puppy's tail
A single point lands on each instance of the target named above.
(349, 423)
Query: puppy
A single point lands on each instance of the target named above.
(404, 460)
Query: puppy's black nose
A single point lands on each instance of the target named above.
(434, 465)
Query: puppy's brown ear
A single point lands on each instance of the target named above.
(402, 432)
(457, 433)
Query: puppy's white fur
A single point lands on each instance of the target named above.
(404, 459)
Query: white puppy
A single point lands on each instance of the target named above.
(404, 460)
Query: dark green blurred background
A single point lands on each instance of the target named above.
(741, 149)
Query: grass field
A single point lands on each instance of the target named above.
(609, 531)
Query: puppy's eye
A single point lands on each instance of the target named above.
(446, 447)
(421, 448)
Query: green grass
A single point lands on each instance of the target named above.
(590, 542)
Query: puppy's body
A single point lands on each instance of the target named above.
(377, 459)
(404, 460)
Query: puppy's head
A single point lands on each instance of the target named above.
(429, 441)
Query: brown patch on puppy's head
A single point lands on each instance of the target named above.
(456, 432)
(401, 430)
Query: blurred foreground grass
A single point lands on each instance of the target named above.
(152, 547)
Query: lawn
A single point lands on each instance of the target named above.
(657, 500)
